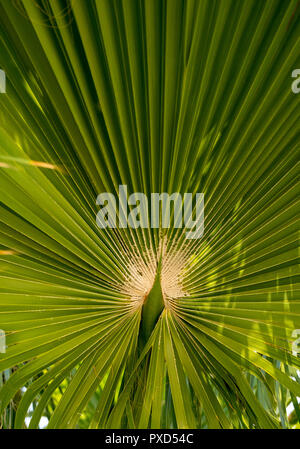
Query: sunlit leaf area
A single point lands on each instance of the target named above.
(141, 327)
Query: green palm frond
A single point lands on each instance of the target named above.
(138, 328)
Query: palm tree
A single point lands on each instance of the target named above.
(138, 328)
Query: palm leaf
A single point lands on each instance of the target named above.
(141, 327)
